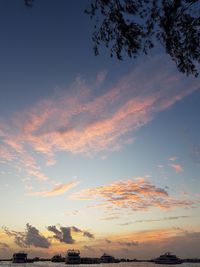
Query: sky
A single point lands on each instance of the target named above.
(96, 154)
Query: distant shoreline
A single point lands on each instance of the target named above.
(189, 260)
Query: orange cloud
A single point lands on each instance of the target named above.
(144, 244)
(145, 235)
(135, 194)
(57, 190)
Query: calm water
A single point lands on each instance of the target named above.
(130, 264)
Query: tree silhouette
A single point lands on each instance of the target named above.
(134, 26)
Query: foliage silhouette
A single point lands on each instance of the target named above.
(28, 3)
(134, 26)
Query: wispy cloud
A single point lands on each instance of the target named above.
(57, 190)
(177, 167)
(173, 158)
(72, 213)
(134, 194)
(80, 120)
(157, 220)
(110, 218)
(163, 219)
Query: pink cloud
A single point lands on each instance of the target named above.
(177, 167)
(134, 194)
(5, 154)
(79, 120)
(57, 190)
(81, 126)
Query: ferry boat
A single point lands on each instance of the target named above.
(20, 257)
(57, 258)
(105, 258)
(168, 258)
(73, 257)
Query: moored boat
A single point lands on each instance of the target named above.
(57, 258)
(168, 258)
(105, 258)
(73, 257)
(20, 257)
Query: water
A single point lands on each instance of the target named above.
(124, 264)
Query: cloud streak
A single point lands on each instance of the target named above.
(79, 120)
(172, 159)
(156, 220)
(57, 190)
(134, 194)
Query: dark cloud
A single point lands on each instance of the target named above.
(58, 234)
(108, 241)
(19, 237)
(31, 237)
(85, 233)
(64, 234)
(88, 234)
(76, 229)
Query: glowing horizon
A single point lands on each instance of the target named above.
(95, 153)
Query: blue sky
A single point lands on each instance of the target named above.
(94, 152)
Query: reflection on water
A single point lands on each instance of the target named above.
(124, 264)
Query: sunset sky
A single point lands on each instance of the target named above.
(96, 154)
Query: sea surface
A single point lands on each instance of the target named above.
(124, 264)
